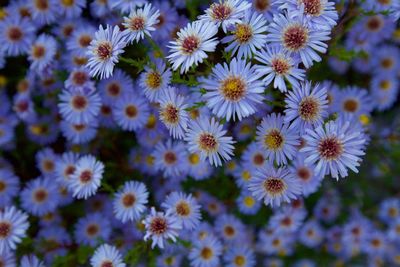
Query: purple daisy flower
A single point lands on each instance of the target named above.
(13, 224)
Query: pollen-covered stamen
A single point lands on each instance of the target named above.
(67, 30)
(48, 165)
(243, 33)
(170, 114)
(107, 263)
(229, 231)
(249, 201)
(375, 23)
(40, 195)
(131, 111)
(128, 200)
(92, 229)
(68, 3)
(233, 88)
(304, 173)
(350, 105)
(84, 40)
(220, 11)
(80, 77)
(309, 108)
(69, 170)
(312, 7)
(5, 229)
(79, 127)
(274, 140)
(190, 44)
(38, 51)
(41, 4)
(79, 61)
(274, 186)
(262, 5)
(208, 142)
(104, 50)
(280, 65)
(79, 102)
(182, 208)
(376, 243)
(240, 260)
(15, 34)
(295, 37)
(153, 80)
(158, 225)
(206, 253)
(194, 159)
(287, 221)
(22, 106)
(330, 148)
(137, 23)
(86, 176)
(170, 157)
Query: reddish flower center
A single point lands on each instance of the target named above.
(40, 195)
(229, 230)
(280, 66)
(42, 5)
(233, 88)
(287, 221)
(84, 40)
(3, 186)
(375, 23)
(208, 142)
(38, 51)
(170, 157)
(79, 77)
(274, 186)
(79, 127)
(114, 89)
(86, 176)
(206, 253)
(190, 44)
(48, 165)
(261, 5)
(105, 110)
(170, 114)
(220, 11)
(309, 109)
(137, 23)
(107, 264)
(68, 3)
(15, 33)
(128, 200)
(22, 106)
(312, 7)
(104, 50)
(158, 225)
(304, 173)
(295, 37)
(67, 30)
(5, 229)
(92, 229)
(330, 148)
(131, 111)
(387, 63)
(79, 102)
(69, 170)
(258, 159)
(350, 105)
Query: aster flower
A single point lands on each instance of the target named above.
(248, 36)
(173, 113)
(116, 86)
(160, 226)
(24, 107)
(253, 157)
(40, 196)
(43, 11)
(131, 112)
(129, 202)
(234, 90)
(79, 80)
(106, 255)
(13, 226)
(242, 256)
(79, 133)
(205, 252)
(298, 37)
(92, 228)
(31, 261)
(353, 101)
(9, 186)
(125, 6)
(306, 106)
(247, 203)
(42, 52)
(306, 175)
(70, 8)
(140, 22)
(206, 136)
(185, 207)
(86, 178)
(192, 43)
(225, 13)
(104, 50)
(16, 35)
(286, 220)
(274, 186)
(229, 228)
(334, 147)
(374, 29)
(278, 65)
(80, 39)
(265, 7)
(311, 234)
(45, 161)
(277, 138)
(320, 13)
(170, 158)
(79, 107)
(155, 79)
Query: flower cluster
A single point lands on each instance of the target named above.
(198, 133)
